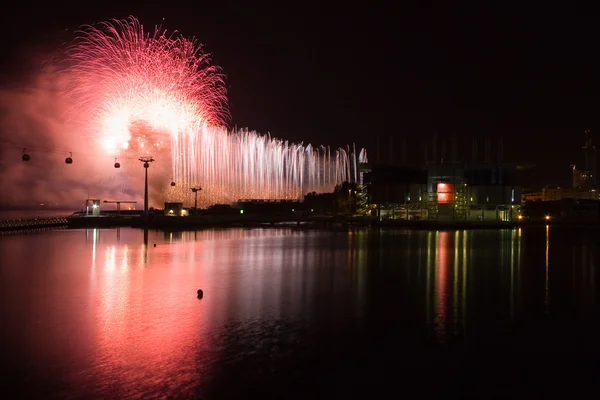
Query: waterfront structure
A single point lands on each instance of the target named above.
(447, 189)
(363, 168)
(446, 192)
(118, 203)
(92, 207)
(266, 207)
(578, 181)
(588, 176)
(531, 196)
(174, 209)
(557, 193)
(397, 192)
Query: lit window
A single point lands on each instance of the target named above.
(445, 193)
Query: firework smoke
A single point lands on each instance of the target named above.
(127, 93)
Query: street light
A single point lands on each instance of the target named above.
(196, 190)
(146, 161)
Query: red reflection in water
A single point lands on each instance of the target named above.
(441, 285)
(148, 320)
(102, 315)
(152, 331)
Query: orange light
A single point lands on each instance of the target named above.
(445, 193)
(547, 217)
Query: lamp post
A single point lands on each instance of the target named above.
(196, 190)
(146, 161)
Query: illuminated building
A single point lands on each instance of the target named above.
(92, 207)
(586, 178)
(174, 210)
(397, 192)
(557, 193)
(578, 181)
(448, 189)
(588, 175)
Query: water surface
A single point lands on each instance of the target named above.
(298, 313)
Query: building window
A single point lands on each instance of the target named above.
(445, 193)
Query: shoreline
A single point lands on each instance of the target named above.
(271, 221)
(186, 223)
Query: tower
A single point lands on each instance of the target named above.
(589, 152)
(577, 177)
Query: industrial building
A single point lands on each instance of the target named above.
(584, 184)
(586, 178)
(174, 209)
(447, 189)
(557, 193)
(92, 207)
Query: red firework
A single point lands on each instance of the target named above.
(138, 88)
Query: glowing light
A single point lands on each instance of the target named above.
(547, 217)
(158, 94)
(445, 193)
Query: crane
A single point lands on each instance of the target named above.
(118, 203)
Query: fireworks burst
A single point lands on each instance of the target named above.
(158, 94)
(143, 88)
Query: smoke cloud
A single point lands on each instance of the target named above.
(35, 116)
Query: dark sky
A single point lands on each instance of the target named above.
(343, 74)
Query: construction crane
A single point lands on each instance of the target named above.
(118, 203)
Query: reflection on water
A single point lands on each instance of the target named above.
(119, 316)
(449, 255)
(547, 277)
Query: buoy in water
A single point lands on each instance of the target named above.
(200, 293)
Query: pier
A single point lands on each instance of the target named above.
(257, 220)
(33, 223)
(249, 220)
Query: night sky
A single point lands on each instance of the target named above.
(337, 75)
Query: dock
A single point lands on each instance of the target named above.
(34, 223)
(259, 220)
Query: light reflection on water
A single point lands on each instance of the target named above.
(114, 313)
